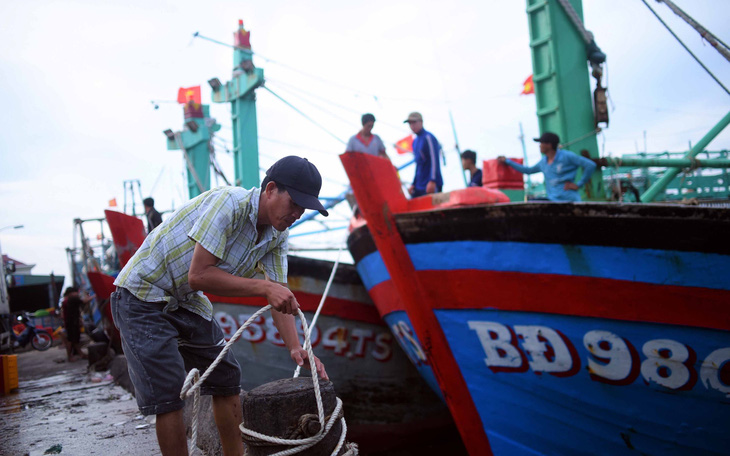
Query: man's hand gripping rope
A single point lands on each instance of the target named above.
(194, 380)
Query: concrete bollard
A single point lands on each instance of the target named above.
(288, 409)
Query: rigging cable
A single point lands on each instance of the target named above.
(327, 81)
(319, 108)
(294, 88)
(714, 41)
(304, 115)
(198, 35)
(686, 48)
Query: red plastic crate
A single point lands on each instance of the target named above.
(498, 175)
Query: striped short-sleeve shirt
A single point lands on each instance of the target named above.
(223, 221)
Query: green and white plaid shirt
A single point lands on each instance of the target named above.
(223, 221)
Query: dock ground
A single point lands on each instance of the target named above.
(60, 408)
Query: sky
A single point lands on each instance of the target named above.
(80, 81)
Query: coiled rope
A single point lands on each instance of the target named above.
(191, 387)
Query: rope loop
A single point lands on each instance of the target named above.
(194, 380)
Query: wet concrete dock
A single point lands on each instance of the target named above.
(59, 408)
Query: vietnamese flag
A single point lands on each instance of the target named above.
(113, 202)
(405, 145)
(528, 86)
(185, 94)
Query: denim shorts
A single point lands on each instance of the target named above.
(161, 347)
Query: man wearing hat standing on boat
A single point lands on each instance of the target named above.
(560, 167)
(426, 151)
(212, 244)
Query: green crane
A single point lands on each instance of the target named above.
(195, 143)
(560, 48)
(240, 92)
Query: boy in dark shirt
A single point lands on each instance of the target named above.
(468, 162)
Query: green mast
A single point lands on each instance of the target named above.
(194, 142)
(560, 75)
(239, 91)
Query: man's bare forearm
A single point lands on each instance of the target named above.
(211, 279)
(287, 329)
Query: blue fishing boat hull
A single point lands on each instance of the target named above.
(555, 383)
(556, 329)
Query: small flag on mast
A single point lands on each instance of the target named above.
(185, 94)
(405, 145)
(113, 202)
(528, 86)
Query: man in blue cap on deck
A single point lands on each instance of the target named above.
(560, 167)
(212, 244)
(426, 152)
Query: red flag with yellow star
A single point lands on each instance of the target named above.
(185, 94)
(528, 86)
(405, 145)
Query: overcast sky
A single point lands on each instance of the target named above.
(78, 78)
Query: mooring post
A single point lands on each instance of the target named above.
(288, 409)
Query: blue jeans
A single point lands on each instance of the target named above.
(162, 347)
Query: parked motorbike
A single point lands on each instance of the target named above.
(39, 339)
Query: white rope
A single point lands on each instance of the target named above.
(308, 337)
(194, 380)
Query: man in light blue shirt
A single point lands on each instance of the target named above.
(559, 166)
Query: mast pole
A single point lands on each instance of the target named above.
(524, 154)
(240, 92)
(562, 87)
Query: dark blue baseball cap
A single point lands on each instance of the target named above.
(301, 179)
(548, 137)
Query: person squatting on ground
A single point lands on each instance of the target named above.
(211, 244)
(426, 152)
(560, 167)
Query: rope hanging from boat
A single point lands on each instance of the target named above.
(686, 48)
(581, 138)
(714, 41)
(308, 339)
(194, 380)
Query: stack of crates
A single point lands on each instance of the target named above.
(8, 373)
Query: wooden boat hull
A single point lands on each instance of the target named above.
(574, 328)
(384, 395)
(387, 404)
